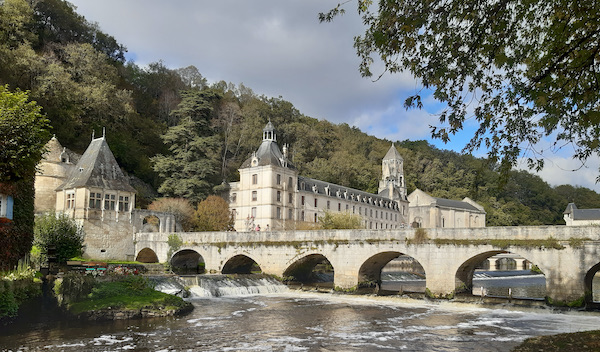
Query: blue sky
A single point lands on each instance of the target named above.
(278, 48)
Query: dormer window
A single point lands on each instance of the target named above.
(6, 206)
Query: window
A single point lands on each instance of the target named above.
(123, 203)
(254, 196)
(95, 200)
(347, 207)
(290, 183)
(302, 216)
(254, 179)
(233, 197)
(316, 218)
(290, 214)
(279, 196)
(371, 212)
(233, 214)
(302, 200)
(315, 202)
(339, 207)
(278, 213)
(290, 197)
(6, 206)
(253, 212)
(278, 179)
(359, 210)
(327, 205)
(109, 202)
(70, 200)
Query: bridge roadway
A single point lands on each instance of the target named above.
(359, 255)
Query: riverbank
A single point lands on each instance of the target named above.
(576, 341)
(116, 298)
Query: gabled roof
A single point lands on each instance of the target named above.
(392, 153)
(446, 203)
(97, 168)
(582, 214)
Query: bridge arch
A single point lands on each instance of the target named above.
(147, 255)
(187, 262)
(592, 297)
(241, 264)
(502, 260)
(370, 272)
(310, 268)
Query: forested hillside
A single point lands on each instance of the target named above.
(184, 137)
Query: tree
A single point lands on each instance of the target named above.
(60, 232)
(24, 132)
(192, 169)
(524, 69)
(180, 207)
(213, 215)
(340, 221)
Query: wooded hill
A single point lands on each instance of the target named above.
(184, 137)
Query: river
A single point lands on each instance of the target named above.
(302, 321)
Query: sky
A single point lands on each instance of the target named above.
(279, 48)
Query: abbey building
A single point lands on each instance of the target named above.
(272, 195)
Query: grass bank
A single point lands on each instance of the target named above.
(577, 341)
(116, 297)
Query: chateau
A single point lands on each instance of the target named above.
(271, 195)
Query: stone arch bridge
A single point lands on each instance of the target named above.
(568, 256)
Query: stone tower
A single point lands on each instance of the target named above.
(392, 183)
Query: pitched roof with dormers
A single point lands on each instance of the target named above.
(97, 168)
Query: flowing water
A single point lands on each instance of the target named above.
(299, 321)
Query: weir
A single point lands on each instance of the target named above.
(204, 286)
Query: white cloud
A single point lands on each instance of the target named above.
(278, 48)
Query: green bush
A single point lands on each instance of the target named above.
(60, 232)
(74, 286)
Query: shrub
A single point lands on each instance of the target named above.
(60, 232)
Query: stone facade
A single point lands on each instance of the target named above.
(92, 190)
(430, 212)
(272, 195)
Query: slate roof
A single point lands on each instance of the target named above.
(582, 214)
(449, 203)
(97, 168)
(268, 152)
(54, 152)
(306, 184)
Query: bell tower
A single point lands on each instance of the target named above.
(392, 175)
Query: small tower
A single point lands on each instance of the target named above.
(392, 175)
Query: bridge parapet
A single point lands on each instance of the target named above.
(561, 233)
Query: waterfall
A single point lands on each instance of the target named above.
(222, 285)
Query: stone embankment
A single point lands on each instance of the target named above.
(124, 314)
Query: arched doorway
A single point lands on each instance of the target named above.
(241, 264)
(392, 272)
(147, 255)
(187, 262)
(501, 274)
(313, 269)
